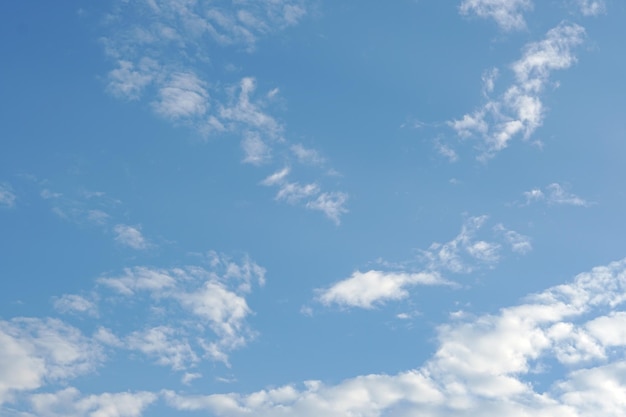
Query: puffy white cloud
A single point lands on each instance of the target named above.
(508, 14)
(519, 111)
(37, 351)
(256, 151)
(7, 197)
(130, 236)
(70, 403)
(484, 365)
(367, 289)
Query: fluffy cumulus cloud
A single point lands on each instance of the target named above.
(484, 365)
(38, 351)
(519, 111)
(463, 254)
(366, 289)
(508, 14)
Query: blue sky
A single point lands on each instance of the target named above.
(303, 208)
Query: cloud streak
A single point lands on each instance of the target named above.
(519, 111)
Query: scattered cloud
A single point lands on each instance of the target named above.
(167, 345)
(307, 156)
(37, 351)
(7, 197)
(130, 236)
(488, 365)
(554, 194)
(463, 254)
(592, 7)
(508, 14)
(211, 299)
(256, 152)
(368, 289)
(332, 204)
(77, 304)
(519, 111)
(69, 402)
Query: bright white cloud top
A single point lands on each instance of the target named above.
(303, 208)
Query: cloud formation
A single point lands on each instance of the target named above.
(461, 255)
(484, 365)
(554, 194)
(519, 111)
(130, 236)
(508, 14)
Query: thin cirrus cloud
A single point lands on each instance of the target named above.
(461, 255)
(158, 48)
(519, 111)
(486, 365)
(592, 7)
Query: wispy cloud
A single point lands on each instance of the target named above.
(519, 111)
(554, 194)
(463, 254)
(7, 197)
(130, 236)
(484, 365)
(158, 49)
(74, 303)
(215, 298)
(332, 204)
(508, 14)
(591, 7)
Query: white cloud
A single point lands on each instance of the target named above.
(165, 344)
(37, 351)
(508, 14)
(463, 253)
(519, 111)
(7, 197)
(555, 194)
(332, 204)
(518, 242)
(306, 155)
(592, 7)
(215, 300)
(371, 288)
(73, 303)
(256, 152)
(70, 403)
(488, 365)
(130, 236)
(183, 95)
